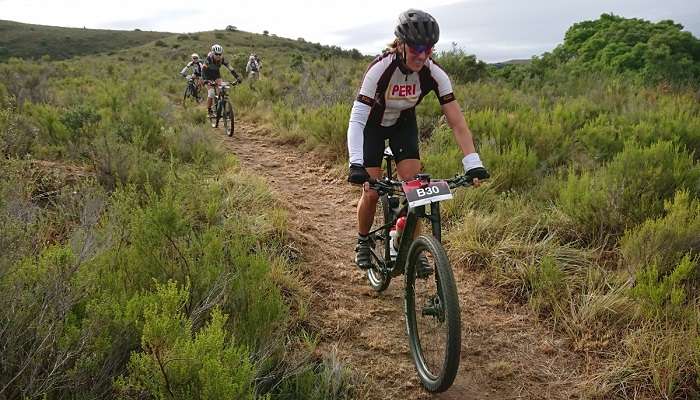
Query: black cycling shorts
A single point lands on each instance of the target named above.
(211, 75)
(403, 141)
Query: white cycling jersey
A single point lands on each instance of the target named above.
(388, 90)
(252, 65)
(196, 68)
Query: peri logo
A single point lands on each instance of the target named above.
(405, 91)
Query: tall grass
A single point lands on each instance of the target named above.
(138, 260)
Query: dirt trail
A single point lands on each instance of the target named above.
(506, 353)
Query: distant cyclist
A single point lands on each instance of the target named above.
(253, 66)
(212, 74)
(385, 108)
(196, 65)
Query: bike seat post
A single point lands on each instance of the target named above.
(388, 158)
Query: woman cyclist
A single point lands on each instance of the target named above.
(212, 74)
(393, 85)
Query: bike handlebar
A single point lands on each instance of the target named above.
(383, 186)
(210, 82)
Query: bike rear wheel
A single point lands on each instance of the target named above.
(378, 280)
(432, 314)
(196, 94)
(228, 118)
(188, 97)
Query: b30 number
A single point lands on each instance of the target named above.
(429, 191)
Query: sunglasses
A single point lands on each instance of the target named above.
(420, 48)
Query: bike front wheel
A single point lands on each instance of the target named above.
(228, 117)
(432, 314)
(216, 114)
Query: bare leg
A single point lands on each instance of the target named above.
(408, 168)
(368, 204)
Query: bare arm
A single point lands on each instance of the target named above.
(456, 121)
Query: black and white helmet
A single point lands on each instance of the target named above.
(195, 56)
(217, 49)
(416, 27)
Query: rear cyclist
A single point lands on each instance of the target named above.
(252, 68)
(196, 65)
(385, 108)
(212, 74)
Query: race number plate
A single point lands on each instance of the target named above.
(419, 193)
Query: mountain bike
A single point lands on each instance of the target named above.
(254, 75)
(431, 303)
(191, 92)
(223, 109)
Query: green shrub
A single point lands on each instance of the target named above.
(547, 285)
(441, 156)
(319, 381)
(179, 362)
(602, 138)
(583, 200)
(630, 189)
(462, 67)
(512, 167)
(17, 135)
(118, 164)
(666, 240)
(190, 144)
(40, 298)
(328, 127)
(665, 296)
(658, 360)
(53, 135)
(297, 62)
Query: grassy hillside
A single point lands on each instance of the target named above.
(591, 217)
(138, 260)
(34, 41)
(592, 213)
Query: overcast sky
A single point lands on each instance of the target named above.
(494, 30)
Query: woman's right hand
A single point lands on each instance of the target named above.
(358, 174)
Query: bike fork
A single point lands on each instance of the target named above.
(434, 218)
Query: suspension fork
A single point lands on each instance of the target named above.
(434, 218)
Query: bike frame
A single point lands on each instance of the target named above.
(396, 267)
(221, 96)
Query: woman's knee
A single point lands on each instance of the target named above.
(370, 195)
